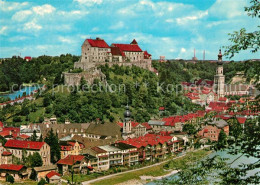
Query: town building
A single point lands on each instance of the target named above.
(70, 148)
(28, 130)
(19, 172)
(6, 157)
(103, 157)
(175, 123)
(16, 147)
(211, 130)
(79, 164)
(53, 177)
(152, 146)
(138, 129)
(42, 171)
(64, 129)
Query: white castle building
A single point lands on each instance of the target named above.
(95, 52)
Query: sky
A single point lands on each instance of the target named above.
(170, 28)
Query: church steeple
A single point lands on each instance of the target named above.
(127, 126)
(219, 55)
(219, 78)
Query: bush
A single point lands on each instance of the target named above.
(41, 119)
(42, 182)
(33, 175)
(48, 109)
(9, 178)
(17, 119)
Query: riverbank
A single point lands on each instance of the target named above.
(155, 172)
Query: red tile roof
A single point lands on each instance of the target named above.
(161, 108)
(222, 99)
(100, 43)
(98, 150)
(147, 55)
(241, 120)
(117, 51)
(51, 174)
(33, 145)
(148, 139)
(71, 159)
(11, 167)
(27, 58)
(128, 47)
(5, 153)
(1, 124)
(24, 136)
(148, 127)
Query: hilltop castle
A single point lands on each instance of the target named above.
(95, 52)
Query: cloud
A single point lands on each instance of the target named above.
(44, 9)
(183, 50)
(228, 8)
(169, 20)
(189, 19)
(10, 6)
(117, 26)
(32, 26)
(65, 40)
(17, 38)
(21, 15)
(3, 30)
(88, 2)
(95, 29)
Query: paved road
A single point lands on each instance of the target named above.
(129, 171)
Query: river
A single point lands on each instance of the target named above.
(28, 90)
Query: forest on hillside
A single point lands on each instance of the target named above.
(140, 89)
(42, 69)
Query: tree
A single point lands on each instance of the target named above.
(47, 100)
(9, 178)
(33, 175)
(34, 136)
(2, 140)
(222, 140)
(52, 140)
(190, 129)
(42, 182)
(242, 40)
(36, 160)
(83, 84)
(41, 139)
(235, 128)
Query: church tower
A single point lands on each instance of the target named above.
(219, 78)
(127, 126)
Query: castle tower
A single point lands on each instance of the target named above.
(127, 127)
(219, 78)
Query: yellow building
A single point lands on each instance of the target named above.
(70, 148)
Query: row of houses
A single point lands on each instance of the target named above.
(122, 153)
